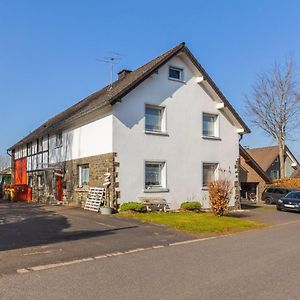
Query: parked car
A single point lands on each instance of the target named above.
(272, 195)
(291, 202)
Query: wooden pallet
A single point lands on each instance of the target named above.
(94, 199)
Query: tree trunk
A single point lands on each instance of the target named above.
(281, 159)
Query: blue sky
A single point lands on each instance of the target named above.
(49, 49)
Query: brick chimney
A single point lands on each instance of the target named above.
(123, 73)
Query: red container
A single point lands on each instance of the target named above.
(29, 194)
(22, 193)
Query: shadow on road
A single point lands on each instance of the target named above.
(22, 225)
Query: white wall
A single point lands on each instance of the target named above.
(184, 149)
(90, 139)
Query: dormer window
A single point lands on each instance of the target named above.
(175, 73)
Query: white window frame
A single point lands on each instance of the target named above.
(216, 126)
(180, 73)
(163, 125)
(157, 188)
(216, 175)
(58, 140)
(80, 167)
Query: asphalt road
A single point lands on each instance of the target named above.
(32, 235)
(260, 264)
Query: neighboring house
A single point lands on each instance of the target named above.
(163, 130)
(5, 178)
(296, 173)
(268, 160)
(252, 177)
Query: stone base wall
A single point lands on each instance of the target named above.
(42, 185)
(72, 193)
(98, 166)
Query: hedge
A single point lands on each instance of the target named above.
(191, 206)
(292, 183)
(133, 206)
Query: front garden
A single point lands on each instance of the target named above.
(191, 218)
(196, 223)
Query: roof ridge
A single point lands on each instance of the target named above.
(262, 173)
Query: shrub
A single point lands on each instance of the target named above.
(219, 196)
(133, 206)
(292, 183)
(191, 206)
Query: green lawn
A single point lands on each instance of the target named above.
(205, 223)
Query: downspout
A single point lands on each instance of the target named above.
(238, 204)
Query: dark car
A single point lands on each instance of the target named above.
(291, 202)
(272, 195)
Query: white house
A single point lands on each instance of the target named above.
(163, 130)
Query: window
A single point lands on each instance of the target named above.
(175, 73)
(154, 118)
(29, 149)
(58, 140)
(280, 191)
(274, 174)
(40, 180)
(39, 143)
(155, 175)
(210, 125)
(30, 181)
(84, 174)
(209, 173)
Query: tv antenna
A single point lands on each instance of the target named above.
(111, 60)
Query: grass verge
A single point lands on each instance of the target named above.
(205, 223)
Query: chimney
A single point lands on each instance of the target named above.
(123, 73)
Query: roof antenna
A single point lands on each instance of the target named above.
(112, 60)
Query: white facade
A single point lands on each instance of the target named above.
(85, 140)
(183, 148)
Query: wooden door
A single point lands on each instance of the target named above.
(59, 188)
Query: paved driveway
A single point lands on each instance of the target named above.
(268, 214)
(31, 235)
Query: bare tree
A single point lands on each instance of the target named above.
(4, 162)
(274, 105)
